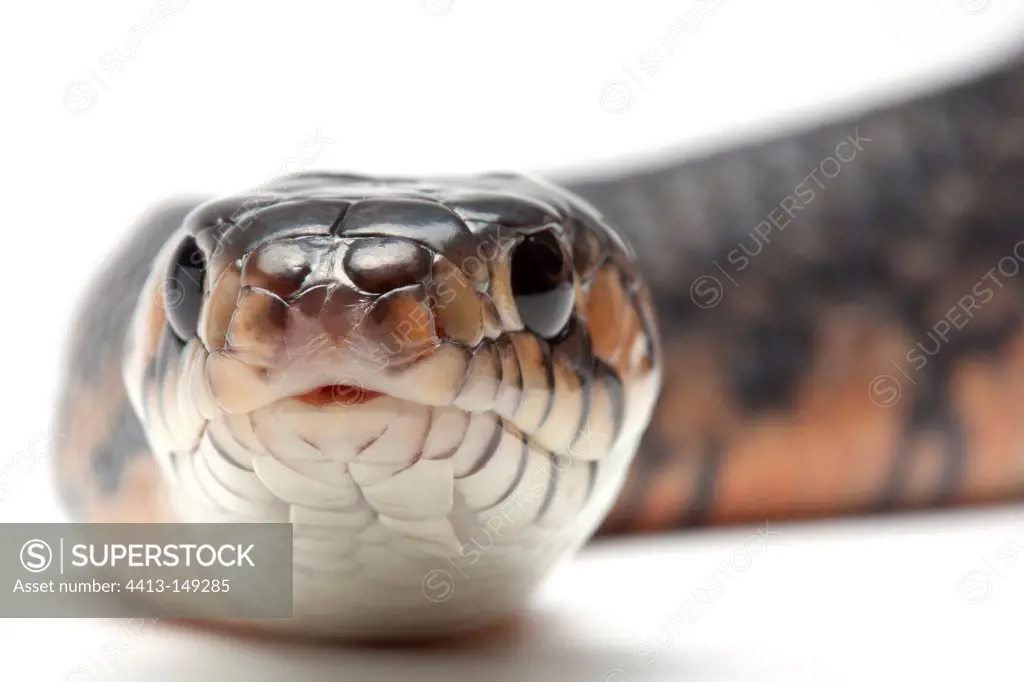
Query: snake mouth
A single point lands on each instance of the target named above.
(337, 394)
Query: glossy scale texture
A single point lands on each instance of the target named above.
(439, 383)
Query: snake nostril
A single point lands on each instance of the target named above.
(380, 265)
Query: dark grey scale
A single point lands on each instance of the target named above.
(1003, 201)
(222, 212)
(988, 241)
(381, 265)
(863, 242)
(110, 460)
(520, 187)
(281, 219)
(426, 222)
(505, 210)
(743, 192)
(981, 339)
(858, 275)
(766, 360)
(211, 222)
(688, 236)
(946, 149)
(286, 266)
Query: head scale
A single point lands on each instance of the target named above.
(323, 317)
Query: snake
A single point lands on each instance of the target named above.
(475, 376)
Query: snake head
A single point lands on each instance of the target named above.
(422, 351)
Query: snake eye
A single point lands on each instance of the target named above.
(542, 284)
(183, 289)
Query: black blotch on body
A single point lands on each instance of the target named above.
(766, 360)
(931, 201)
(932, 412)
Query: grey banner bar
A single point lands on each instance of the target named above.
(172, 570)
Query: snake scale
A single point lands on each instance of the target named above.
(823, 323)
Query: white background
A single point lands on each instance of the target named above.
(220, 96)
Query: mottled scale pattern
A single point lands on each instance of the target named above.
(348, 355)
(841, 313)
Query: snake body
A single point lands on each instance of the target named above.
(424, 374)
